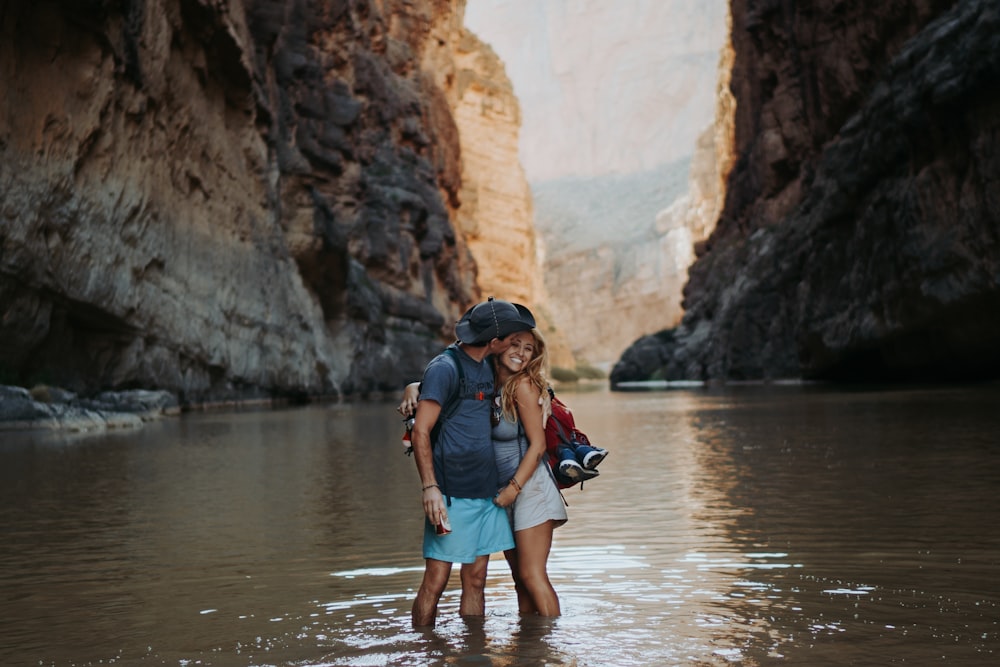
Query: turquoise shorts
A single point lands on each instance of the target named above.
(478, 528)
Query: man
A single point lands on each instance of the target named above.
(458, 477)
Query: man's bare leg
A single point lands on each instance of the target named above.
(424, 612)
(474, 587)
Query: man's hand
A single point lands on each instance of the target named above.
(434, 506)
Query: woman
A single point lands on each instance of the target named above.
(531, 492)
(536, 506)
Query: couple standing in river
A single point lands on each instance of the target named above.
(485, 395)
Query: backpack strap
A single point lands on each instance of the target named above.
(544, 461)
(448, 411)
(455, 400)
(569, 439)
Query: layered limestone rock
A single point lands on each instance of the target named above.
(859, 237)
(614, 97)
(496, 216)
(229, 198)
(630, 283)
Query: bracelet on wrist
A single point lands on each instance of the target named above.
(517, 486)
(430, 486)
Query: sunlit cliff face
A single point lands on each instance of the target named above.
(496, 214)
(231, 199)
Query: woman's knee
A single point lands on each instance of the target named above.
(532, 573)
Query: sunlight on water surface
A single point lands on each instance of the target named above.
(728, 527)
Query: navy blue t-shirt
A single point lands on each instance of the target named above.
(464, 463)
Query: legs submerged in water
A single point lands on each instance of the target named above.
(436, 573)
(525, 603)
(424, 612)
(535, 594)
(474, 587)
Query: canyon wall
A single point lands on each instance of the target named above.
(860, 236)
(231, 199)
(496, 217)
(606, 86)
(619, 287)
(615, 96)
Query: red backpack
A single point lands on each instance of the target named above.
(561, 434)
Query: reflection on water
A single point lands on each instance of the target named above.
(743, 526)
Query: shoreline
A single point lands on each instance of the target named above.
(53, 409)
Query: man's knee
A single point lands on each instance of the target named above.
(436, 575)
(474, 574)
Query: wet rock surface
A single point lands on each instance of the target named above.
(54, 408)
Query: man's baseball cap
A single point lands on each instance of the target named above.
(491, 319)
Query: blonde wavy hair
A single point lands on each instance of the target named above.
(534, 370)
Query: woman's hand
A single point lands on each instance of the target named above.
(507, 496)
(411, 395)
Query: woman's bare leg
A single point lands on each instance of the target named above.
(533, 546)
(525, 604)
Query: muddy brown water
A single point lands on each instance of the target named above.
(737, 526)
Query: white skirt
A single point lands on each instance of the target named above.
(539, 501)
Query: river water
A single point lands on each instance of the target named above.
(738, 526)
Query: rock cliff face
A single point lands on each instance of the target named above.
(606, 86)
(860, 236)
(231, 198)
(496, 216)
(625, 280)
(614, 98)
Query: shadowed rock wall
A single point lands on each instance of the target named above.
(860, 237)
(229, 199)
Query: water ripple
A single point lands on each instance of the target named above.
(736, 527)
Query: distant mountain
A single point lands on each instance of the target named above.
(574, 214)
(616, 263)
(606, 87)
(614, 96)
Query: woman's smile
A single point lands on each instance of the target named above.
(520, 352)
